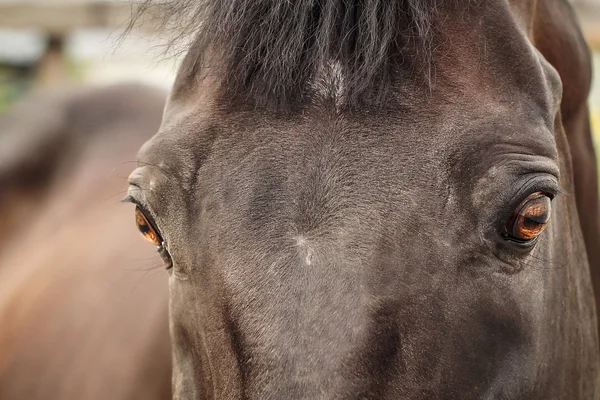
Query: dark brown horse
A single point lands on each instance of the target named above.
(377, 200)
(81, 316)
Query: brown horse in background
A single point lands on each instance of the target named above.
(82, 314)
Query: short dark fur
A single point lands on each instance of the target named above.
(270, 49)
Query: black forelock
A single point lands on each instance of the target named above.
(268, 50)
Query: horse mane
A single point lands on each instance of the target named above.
(269, 50)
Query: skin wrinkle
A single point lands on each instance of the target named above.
(412, 292)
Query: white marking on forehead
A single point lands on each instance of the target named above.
(305, 250)
(329, 83)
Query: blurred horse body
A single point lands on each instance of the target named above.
(82, 316)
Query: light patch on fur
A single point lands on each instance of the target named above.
(329, 84)
(305, 250)
(481, 192)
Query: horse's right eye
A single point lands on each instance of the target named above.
(146, 228)
(529, 219)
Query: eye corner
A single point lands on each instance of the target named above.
(552, 192)
(558, 192)
(129, 199)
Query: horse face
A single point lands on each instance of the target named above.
(423, 248)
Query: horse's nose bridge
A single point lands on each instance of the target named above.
(326, 286)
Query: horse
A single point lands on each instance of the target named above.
(83, 312)
(377, 200)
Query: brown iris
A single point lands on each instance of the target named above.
(146, 228)
(530, 218)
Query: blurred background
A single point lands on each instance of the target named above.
(78, 287)
(83, 298)
(588, 12)
(46, 43)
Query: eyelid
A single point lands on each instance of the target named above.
(546, 184)
(133, 200)
(129, 199)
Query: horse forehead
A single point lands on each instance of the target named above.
(184, 144)
(188, 117)
(490, 56)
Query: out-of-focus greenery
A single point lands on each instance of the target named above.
(16, 82)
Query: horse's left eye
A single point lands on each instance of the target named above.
(146, 228)
(530, 218)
